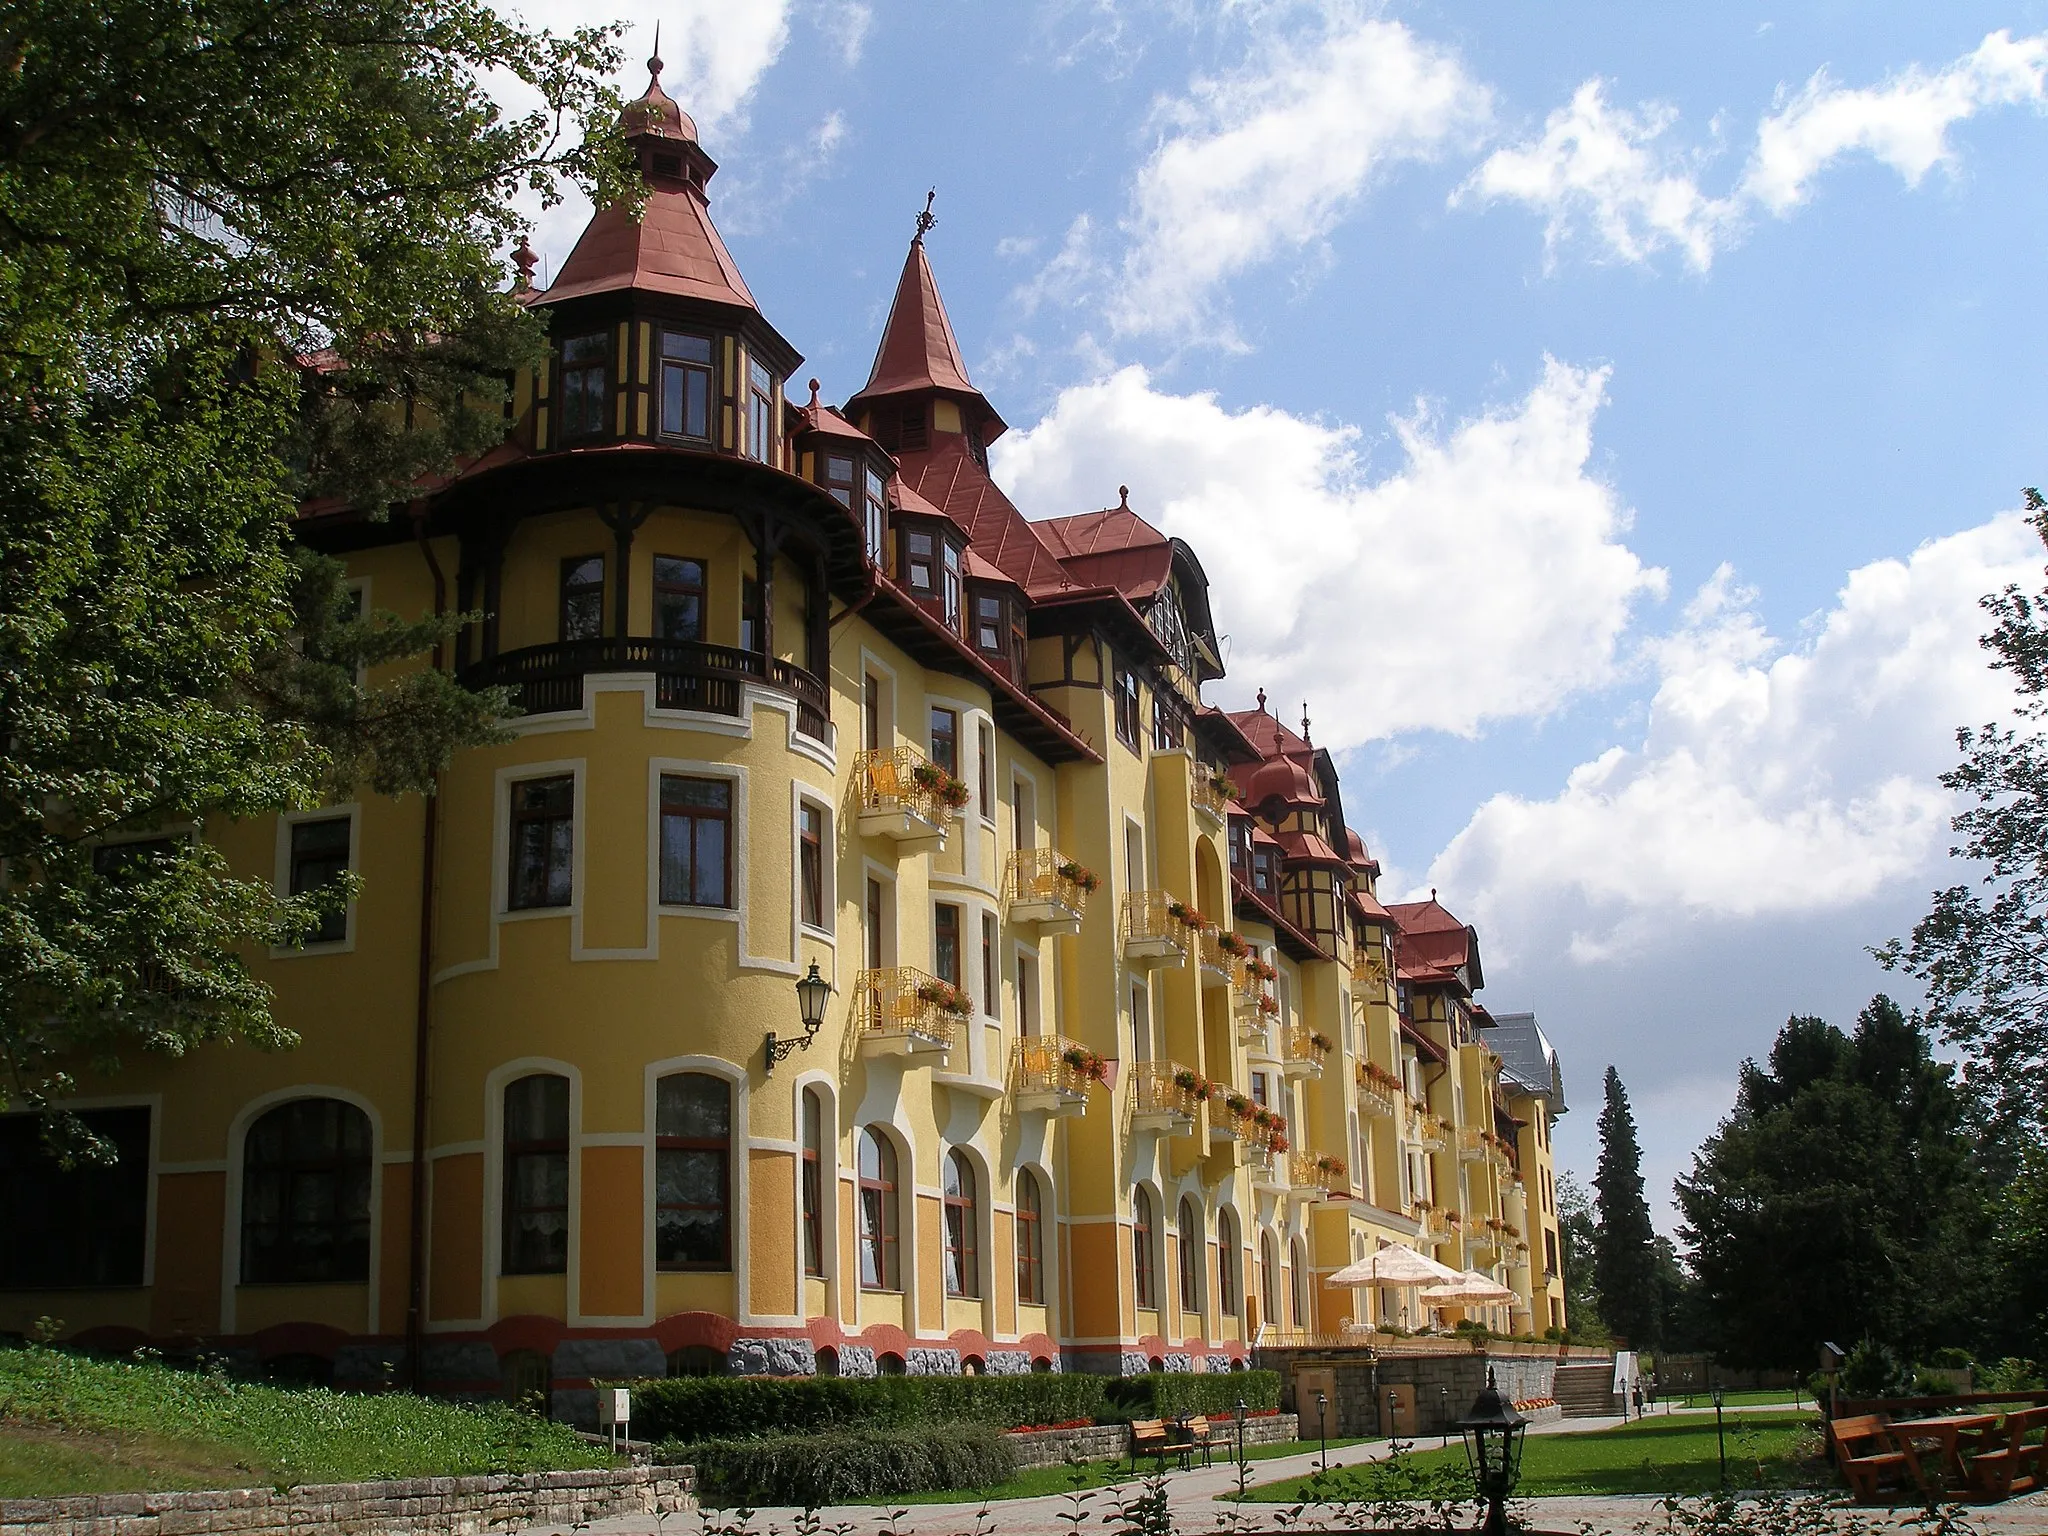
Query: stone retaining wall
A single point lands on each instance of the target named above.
(443, 1506)
(1445, 1384)
(1099, 1442)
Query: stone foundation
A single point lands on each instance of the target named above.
(443, 1506)
(1099, 1442)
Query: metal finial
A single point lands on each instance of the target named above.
(525, 260)
(1123, 498)
(654, 64)
(814, 394)
(1262, 701)
(1304, 720)
(925, 220)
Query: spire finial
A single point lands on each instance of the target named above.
(1432, 893)
(1123, 498)
(814, 394)
(926, 221)
(1262, 701)
(1304, 721)
(525, 260)
(654, 64)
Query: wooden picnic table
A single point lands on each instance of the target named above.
(1948, 1430)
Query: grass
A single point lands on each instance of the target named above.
(72, 1424)
(1765, 1450)
(1769, 1395)
(1037, 1482)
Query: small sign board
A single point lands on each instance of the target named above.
(614, 1406)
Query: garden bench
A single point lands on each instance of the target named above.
(1149, 1438)
(1202, 1437)
(2009, 1466)
(1867, 1470)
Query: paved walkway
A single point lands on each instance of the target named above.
(1194, 1494)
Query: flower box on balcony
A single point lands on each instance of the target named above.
(1161, 1102)
(1153, 936)
(1306, 1052)
(902, 1011)
(1052, 1075)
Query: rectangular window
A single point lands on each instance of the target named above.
(1141, 1026)
(988, 624)
(750, 614)
(985, 770)
(946, 943)
(585, 361)
(1027, 995)
(917, 561)
(696, 842)
(1166, 725)
(1259, 1092)
(989, 976)
(811, 864)
(875, 518)
(678, 598)
(84, 1227)
(582, 585)
(871, 713)
(685, 385)
(839, 479)
(121, 861)
(946, 739)
(543, 839)
(536, 1204)
(693, 1172)
(319, 857)
(949, 566)
(1126, 684)
(876, 915)
(814, 1183)
(761, 412)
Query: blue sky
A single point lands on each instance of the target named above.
(1606, 416)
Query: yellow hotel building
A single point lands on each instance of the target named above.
(1121, 1054)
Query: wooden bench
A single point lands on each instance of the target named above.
(2009, 1465)
(1867, 1470)
(1149, 1438)
(1202, 1437)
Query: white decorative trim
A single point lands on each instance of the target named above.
(495, 1083)
(501, 854)
(282, 876)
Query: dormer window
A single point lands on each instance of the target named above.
(1262, 871)
(760, 412)
(686, 385)
(875, 518)
(917, 561)
(585, 361)
(839, 479)
(988, 624)
(949, 586)
(977, 450)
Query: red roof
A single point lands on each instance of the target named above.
(672, 248)
(1432, 939)
(948, 475)
(919, 350)
(1268, 735)
(1114, 548)
(819, 417)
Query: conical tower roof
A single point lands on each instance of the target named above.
(919, 353)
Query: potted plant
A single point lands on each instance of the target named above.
(1232, 945)
(1086, 1063)
(1277, 1143)
(944, 996)
(1239, 1106)
(1322, 1042)
(1333, 1166)
(1080, 874)
(1268, 1004)
(1262, 969)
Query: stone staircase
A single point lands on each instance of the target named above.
(1585, 1391)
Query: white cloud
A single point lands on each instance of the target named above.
(1263, 162)
(1774, 779)
(1484, 578)
(846, 23)
(1606, 165)
(1903, 123)
(1613, 170)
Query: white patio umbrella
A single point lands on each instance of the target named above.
(1469, 1289)
(1394, 1266)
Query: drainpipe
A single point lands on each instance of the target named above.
(416, 1233)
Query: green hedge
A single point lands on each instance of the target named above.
(1167, 1395)
(739, 1407)
(844, 1464)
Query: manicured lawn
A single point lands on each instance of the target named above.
(1656, 1455)
(1037, 1482)
(1772, 1395)
(69, 1424)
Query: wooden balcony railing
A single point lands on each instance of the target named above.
(1471, 1144)
(1053, 1073)
(1044, 886)
(1155, 929)
(688, 674)
(1318, 1173)
(1207, 795)
(1425, 1130)
(901, 794)
(902, 1010)
(1435, 1223)
(1306, 1053)
(1160, 1103)
(1379, 1091)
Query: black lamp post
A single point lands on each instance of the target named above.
(1493, 1449)
(1720, 1434)
(1393, 1407)
(1323, 1426)
(1443, 1413)
(811, 994)
(1240, 1431)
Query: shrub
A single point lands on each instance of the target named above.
(737, 1407)
(1169, 1394)
(846, 1464)
(1874, 1370)
(2010, 1375)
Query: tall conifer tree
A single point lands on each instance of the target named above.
(1625, 1256)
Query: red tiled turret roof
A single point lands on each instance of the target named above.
(919, 351)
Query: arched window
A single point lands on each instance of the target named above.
(697, 1360)
(1030, 1240)
(693, 1172)
(814, 1182)
(1269, 1278)
(963, 1219)
(1190, 1256)
(1141, 1247)
(306, 1194)
(1297, 1290)
(878, 1246)
(1226, 1263)
(536, 1207)
(889, 1363)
